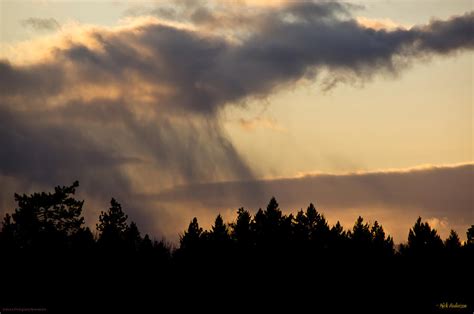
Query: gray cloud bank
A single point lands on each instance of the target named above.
(395, 197)
(135, 110)
(432, 190)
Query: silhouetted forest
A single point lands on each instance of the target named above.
(268, 261)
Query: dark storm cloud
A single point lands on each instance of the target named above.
(445, 36)
(30, 81)
(95, 142)
(205, 72)
(137, 108)
(49, 153)
(41, 23)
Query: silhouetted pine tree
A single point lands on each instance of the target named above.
(381, 245)
(8, 241)
(219, 233)
(338, 238)
(272, 229)
(301, 230)
(422, 240)
(361, 237)
(192, 239)
(318, 228)
(470, 236)
(112, 227)
(453, 242)
(146, 246)
(241, 231)
(132, 237)
(45, 220)
(469, 245)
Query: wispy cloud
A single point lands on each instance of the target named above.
(260, 122)
(41, 24)
(380, 24)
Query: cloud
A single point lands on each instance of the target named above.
(291, 43)
(112, 152)
(379, 24)
(438, 223)
(41, 24)
(433, 189)
(260, 122)
(135, 109)
(397, 197)
(42, 151)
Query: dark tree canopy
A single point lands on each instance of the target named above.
(132, 237)
(361, 235)
(219, 233)
(470, 236)
(264, 251)
(453, 242)
(112, 226)
(45, 219)
(241, 230)
(423, 240)
(191, 238)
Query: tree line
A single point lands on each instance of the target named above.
(49, 257)
(54, 221)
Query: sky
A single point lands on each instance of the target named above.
(194, 108)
